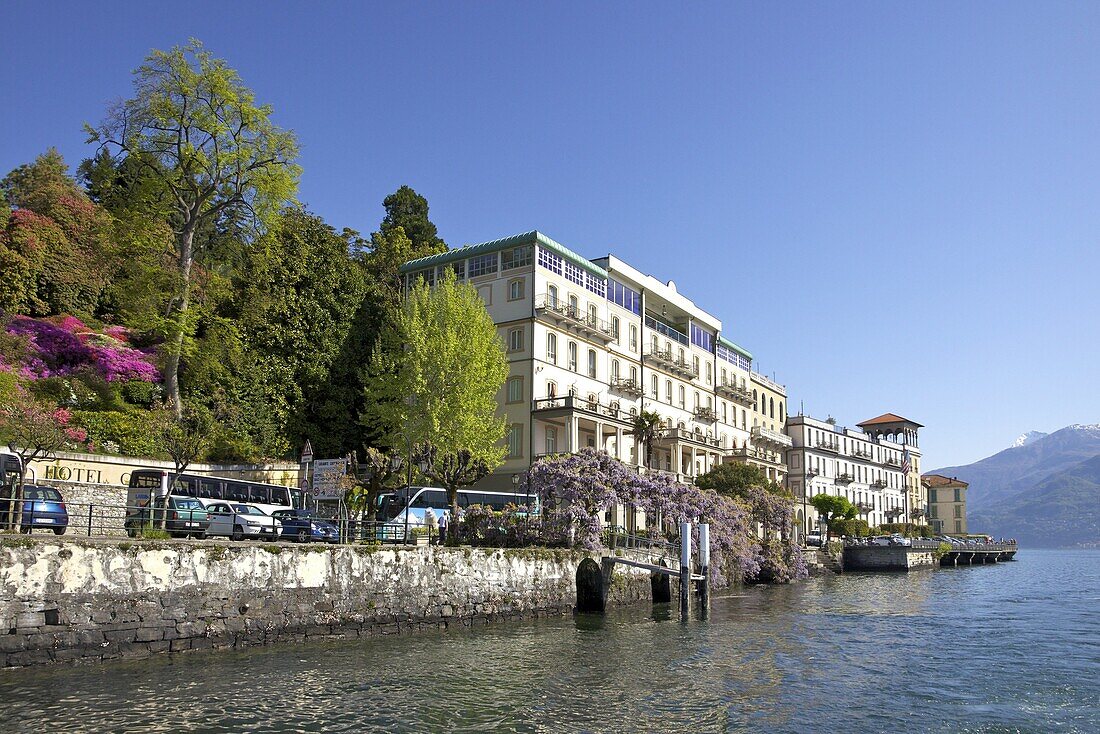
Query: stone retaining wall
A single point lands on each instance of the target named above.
(887, 558)
(95, 600)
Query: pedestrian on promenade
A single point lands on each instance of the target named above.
(429, 523)
(443, 527)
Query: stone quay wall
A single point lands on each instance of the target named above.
(887, 558)
(105, 599)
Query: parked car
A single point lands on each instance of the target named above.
(238, 521)
(304, 526)
(880, 540)
(813, 539)
(897, 539)
(184, 516)
(43, 507)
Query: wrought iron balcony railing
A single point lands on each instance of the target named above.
(573, 318)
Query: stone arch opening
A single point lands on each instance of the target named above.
(590, 588)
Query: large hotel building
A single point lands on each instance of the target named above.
(593, 343)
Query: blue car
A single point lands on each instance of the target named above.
(43, 507)
(303, 526)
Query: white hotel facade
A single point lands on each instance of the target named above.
(865, 465)
(592, 343)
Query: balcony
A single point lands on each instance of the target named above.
(682, 434)
(736, 393)
(627, 386)
(878, 484)
(891, 461)
(760, 454)
(827, 446)
(861, 453)
(575, 403)
(813, 472)
(844, 479)
(667, 361)
(706, 415)
(763, 435)
(571, 318)
(864, 507)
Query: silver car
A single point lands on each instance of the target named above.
(239, 521)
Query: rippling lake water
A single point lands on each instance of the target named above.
(1008, 648)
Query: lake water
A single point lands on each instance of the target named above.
(1008, 648)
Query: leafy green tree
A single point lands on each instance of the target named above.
(55, 247)
(34, 430)
(194, 126)
(435, 378)
(409, 210)
(453, 469)
(733, 480)
(833, 508)
(185, 439)
(645, 428)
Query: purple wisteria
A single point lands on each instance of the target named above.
(66, 346)
(751, 539)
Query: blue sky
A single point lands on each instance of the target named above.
(893, 206)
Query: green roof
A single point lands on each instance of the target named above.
(730, 345)
(527, 238)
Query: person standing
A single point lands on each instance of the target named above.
(443, 527)
(429, 523)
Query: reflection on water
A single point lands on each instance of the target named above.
(1006, 648)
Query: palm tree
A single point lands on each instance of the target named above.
(646, 425)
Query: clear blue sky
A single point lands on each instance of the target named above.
(893, 206)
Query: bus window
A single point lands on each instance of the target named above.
(145, 479)
(185, 486)
(297, 499)
(236, 492)
(430, 498)
(280, 496)
(258, 494)
(210, 489)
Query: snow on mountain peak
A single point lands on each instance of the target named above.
(1029, 437)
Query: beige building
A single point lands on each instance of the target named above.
(946, 503)
(593, 343)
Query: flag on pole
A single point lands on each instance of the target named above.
(906, 465)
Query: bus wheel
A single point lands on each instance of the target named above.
(238, 533)
(303, 536)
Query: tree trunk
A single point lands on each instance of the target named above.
(175, 350)
(452, 500)
(17, 509)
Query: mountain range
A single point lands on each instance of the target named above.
(1044, 490)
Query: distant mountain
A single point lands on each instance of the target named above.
(1002, 485)
(1059, 511)
(1029, 437)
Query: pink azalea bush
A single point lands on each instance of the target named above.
(65, 346)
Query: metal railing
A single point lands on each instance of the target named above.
(574, 315)
(760, 433)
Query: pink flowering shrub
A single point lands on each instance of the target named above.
(65, 346)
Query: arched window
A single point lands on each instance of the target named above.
(552, 296)
(710, 403)
(695, 363)
(592, 363)
(744, 419)
(654, 387)
(551, 389)
(634, 375)
(653, 344)
(724, 413)
(593, 314)
(755, 403)
(781, 411)
(683, 359)
(697, 400)
(615, 327)
(633, 338)
(771, 403)
(573, 356)
(574, 307)
(614, 369)
(710, 373)
(552, 348)
(681, 396)
(668, 391)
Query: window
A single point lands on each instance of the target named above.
(614, 369)
(515, 389)
(781, 411)
(681, 396)
(629, 299)
(550, 261)
(574, 306)
(515, 440)
(668, 391)
(771, 401)
(696, 400)
(515, 340)
(710, 372)
(633, 338)
(551, 389)
(574, 274)
(515, 258)
(551, 440)
(593, 314)
(958, 495)
(724, 413)
(515, 289)
(483, 264)
(634, 375)
(755, 404)
(744, 419)
(573, 356)
(592, 363)
(932, 496)
(958, 511)
(552, 295)
(615, 328)
(958, 526)
(695, 363)
(552, 348)
(654, 387)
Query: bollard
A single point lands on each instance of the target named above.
(90, 508)
(685, 565)
(704, 561)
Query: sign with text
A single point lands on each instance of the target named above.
(326, 478)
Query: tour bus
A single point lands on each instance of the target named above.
(268, 497)
(393, 508)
